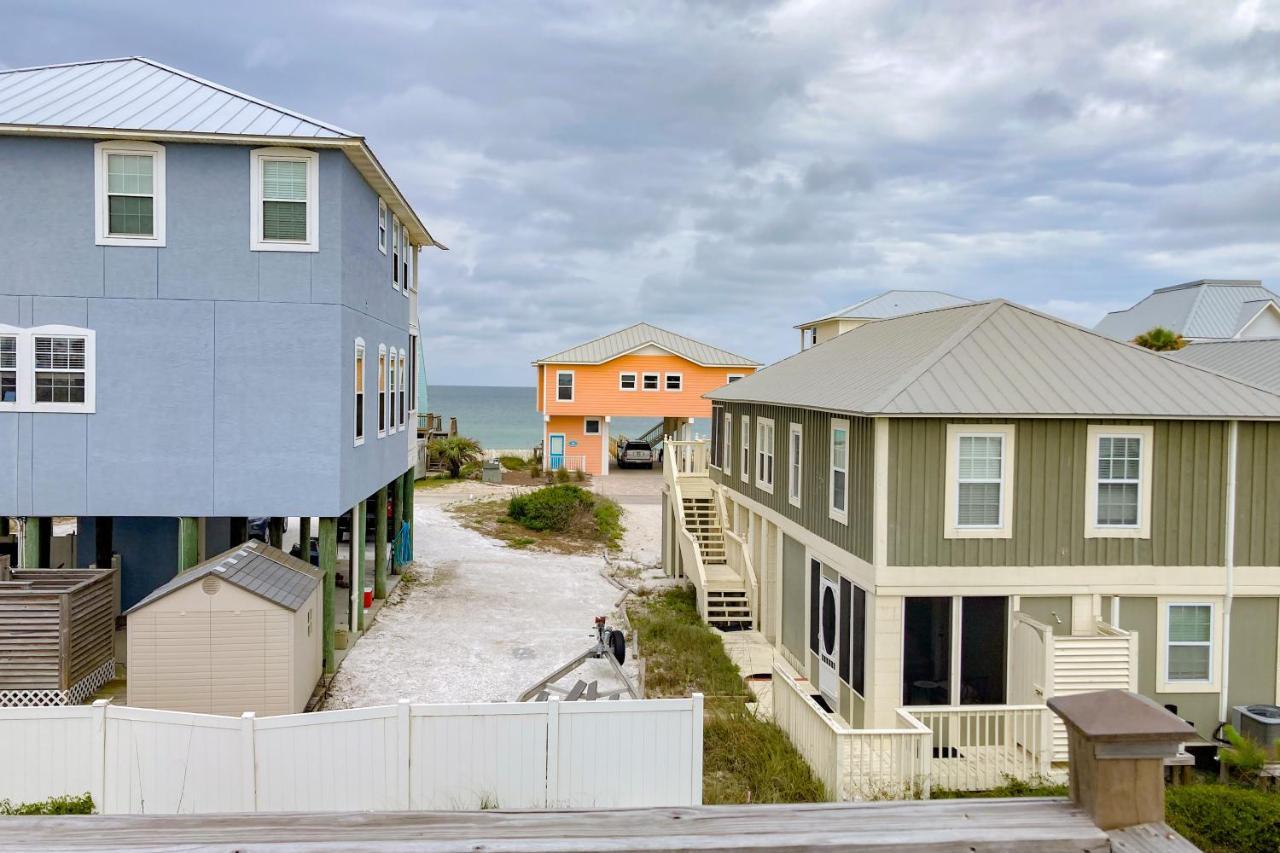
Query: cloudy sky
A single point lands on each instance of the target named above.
(728, 169)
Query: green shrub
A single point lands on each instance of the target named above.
(550, 508)
(513, 463)
(1225, 817)
(562, 475)
(82, 804)
(608, 520)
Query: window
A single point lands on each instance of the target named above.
(61, 370)
(839, 498)
(626, 382)
(764, 454)
(413, 372)
(675, 381)
(733, 377)
(795, 463)
(564, 386)
(8, 369)
(382, 390)
(650, 382)
(744, 439)
(1189, 659)
(716, 440)
(395, 253)
(406, 250)
(382, 226)
(391, 391)
(728, 443)
(404, 392)
(1118, 492)
(129, 197)
(47, 369)
(979, 476)
(591, 426)
(285, 191)
(359, 392)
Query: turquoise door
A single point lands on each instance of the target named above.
(555, 452)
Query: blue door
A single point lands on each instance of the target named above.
(555, 452)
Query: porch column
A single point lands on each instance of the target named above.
(406, 506)
(304, 537)
(188, 542)
(275, 532)
(380, 545)
(357, 566)
(103, 543)
(33, 533)
(329, 565)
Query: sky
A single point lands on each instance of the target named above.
(727, 169)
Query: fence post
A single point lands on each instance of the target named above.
(695, 759)
(405, 728)
(98, 781)
(553, 754)
(248, 761)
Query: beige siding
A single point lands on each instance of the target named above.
(1258, 495)
(307, 651)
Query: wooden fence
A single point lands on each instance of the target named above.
(397, 757)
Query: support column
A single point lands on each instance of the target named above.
(329, 565)
(410, 487)
(357, 566)
(188, 542)
(304, 537)
(239, 531)
(275, 532)
(103, 540)
(32, 535)
(380, 545)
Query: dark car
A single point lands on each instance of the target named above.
(370, 522)
(635, 452)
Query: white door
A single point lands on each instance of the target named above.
(1029, 667)
(829, 640)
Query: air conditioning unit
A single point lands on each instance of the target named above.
(1258, 723)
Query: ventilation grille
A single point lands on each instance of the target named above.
(211, 585)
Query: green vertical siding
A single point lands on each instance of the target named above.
(794, 603)
(1258, 495)
(814, 510)
(1252, 668)
(1051, 610)
(1201, 709)
(1188, 497)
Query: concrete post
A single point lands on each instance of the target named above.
(32, 534)
(275, 532)
(329, 565)
(188, 542)
(1118, 742)
(357, 563)
(380, 545)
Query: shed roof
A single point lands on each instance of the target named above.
(1206, 308)
(1252, 360)
(255, 567)
(891, 303)
(995, 358)
(640, 335)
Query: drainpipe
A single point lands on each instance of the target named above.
(1229, 561)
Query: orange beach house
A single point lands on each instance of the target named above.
(640, 371)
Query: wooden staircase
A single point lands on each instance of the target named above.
(728, 606)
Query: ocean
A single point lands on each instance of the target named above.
(503, 417)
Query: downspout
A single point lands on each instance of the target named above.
(1229, 563)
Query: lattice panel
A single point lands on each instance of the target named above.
(79, 692)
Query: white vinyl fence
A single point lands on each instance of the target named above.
(519, 755)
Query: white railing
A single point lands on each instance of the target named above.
(854, 764)
(980, 747)
(570, 463)
(738, 557)
(689, 458)
(397, 757)
(686, 545)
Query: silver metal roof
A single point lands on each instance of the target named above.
(1252, 360)
(641, 335)
(254, 567)
(892, 303)
(1208, 308)
(995, 359)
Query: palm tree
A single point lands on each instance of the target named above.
(455, 452)
(1160, 339)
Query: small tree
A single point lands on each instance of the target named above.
(455, 452)
(1161, 339)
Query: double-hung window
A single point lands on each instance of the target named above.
(744, 440)
(413, 371)
(726, 439)
(795, 463)
(406, 252)
(404, 392)
(382, 226)
(61, 369)
(129, 200)
(47, 369)
(564, 386)
(285, 191)
(764, 454)
(359, 391)
(675, 381)
(650, 382)
(395, 253)
(1118, 491)
(979, 475)
(8, 370)
(391, 391)
(382, 390)
(839, 499)
(1189, 657)
(626, 382)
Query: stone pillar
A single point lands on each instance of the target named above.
(329, 565)
(1118, 742)
(188, 542)
(380, 545)
(357, 564)
(275, 532)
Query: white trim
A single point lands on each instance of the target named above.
(666, 382)
(726, 442)
(395, 252)
(635, 380)
(26, 372)
(880, 494)
(1240, 335)
(382, 390)
(402, 396)
(657, 382)
(573, 386)
(765, 452)
(599, 426)
(359, 357)
(952, 529)
(256, 241)
(382, 226)
(1142, 530)
(415, 341)
(102, 237)
(840, 515)
(406, 265)
(795, 464)
(1163, 683)
(733, 377)
(744, 449)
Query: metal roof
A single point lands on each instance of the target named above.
(1207, 308)
(641, 335)
(892, 303)
(1252, 360)
(995, 358)
(254, 567)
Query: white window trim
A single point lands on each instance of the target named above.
(406, 264)
(26, 397)
(951, 501)
(358, 356)
(396, 249)
(842, 516)
(727, 441)
(380, 390)
(744, 441)
(100, 152)
(730, 377)
(382, 226)
(635, 381)
(679, 377)
(417, 253)
(256, 242)
(765, 452)
(1163, 682)
(1142, 530)
(573, 386)
(402, 396)
(657, 382)
(391, 391)
(415, 342)
(599, 426)
(795, 464)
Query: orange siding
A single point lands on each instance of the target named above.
(588, 447)
(596, 388)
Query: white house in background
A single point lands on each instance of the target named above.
(891, 303)
(1203, 310)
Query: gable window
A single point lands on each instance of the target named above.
(564, 386)
(733, 377)
(675, 381)
(650, 382)
(744, 439)
(359, 392)
(839, 497)
(795, 463)
(129, 199)
(979, 481)
(382, 226)
(764, 454)
(285, 189)
(626, 382)
(382, 390)
(395, 253)
(404, 392)
(8, 369)
(1118, 492)
(591, 426)
(391, 391)
(727, 439)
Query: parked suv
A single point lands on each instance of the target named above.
(635, 452)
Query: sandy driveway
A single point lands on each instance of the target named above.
(482, 621)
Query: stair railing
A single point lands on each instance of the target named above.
(738, 557)
(687, 546)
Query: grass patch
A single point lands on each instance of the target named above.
(591, 526)
(1221, 818)
(745, 759)
(82, 804)
(1011, 788)
(513, 463)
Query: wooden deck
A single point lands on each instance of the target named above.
(1035, 825)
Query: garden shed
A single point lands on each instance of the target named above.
(57, 634)
(240, 632)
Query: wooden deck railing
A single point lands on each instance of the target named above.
(689, 458)
(980, 747)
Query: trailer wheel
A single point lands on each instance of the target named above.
(618, 645)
